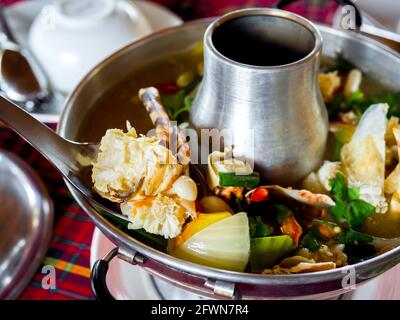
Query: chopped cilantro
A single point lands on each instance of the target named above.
(358, 103)
(348, 208)
(311, 239)
(358, 245)
(181, 101)
(336, 105)
(353, 237)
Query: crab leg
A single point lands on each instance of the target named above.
(150, 98)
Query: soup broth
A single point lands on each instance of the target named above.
(121, 103)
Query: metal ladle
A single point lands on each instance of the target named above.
(21, 78)
(72, 159)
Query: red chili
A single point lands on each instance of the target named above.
(260, 194)
(167, 88)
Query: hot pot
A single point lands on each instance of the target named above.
(373, 58)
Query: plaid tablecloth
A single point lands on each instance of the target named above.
(69, 249)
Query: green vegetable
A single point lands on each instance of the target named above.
(311, 239)
(393, 100)
(258, 228)
(341, 64)
(340, 103)
(349, 208)
(353, 237)
(358, 245)
(337, 149)
(187, 102)
(231, 179)
(181, 101)
(174, 101)
(355, 98)
(282, 212)
(268, 251)
(358, 103)
(336, 105)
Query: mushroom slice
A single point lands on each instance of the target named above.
(299, 264)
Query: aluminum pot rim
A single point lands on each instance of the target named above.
(121, 239)
(272, 12)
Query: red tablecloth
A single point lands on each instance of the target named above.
(69, 249)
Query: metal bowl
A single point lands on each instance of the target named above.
(375, 59)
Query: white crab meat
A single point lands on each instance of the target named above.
(162, 215)
(128, 165)
(363, 158)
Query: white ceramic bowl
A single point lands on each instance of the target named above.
(70, 37)
(386, 12)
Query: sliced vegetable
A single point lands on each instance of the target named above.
(258, 228)
(224, 244)
(269, 251)
(224, 162)
(291, 227)
(231, 179)
(353, 82)
(202, 221)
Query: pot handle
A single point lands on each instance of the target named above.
(283, 3)
(98, 276)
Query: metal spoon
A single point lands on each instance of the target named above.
(72, 159)
(21, 78)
